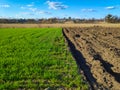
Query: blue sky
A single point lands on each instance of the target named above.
(58, 8)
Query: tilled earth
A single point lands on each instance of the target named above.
(97, 53)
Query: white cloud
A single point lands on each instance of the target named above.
(22, 7)
(88, 10)
(37, 11)
(110, 7)
(4, 6)
(32, 9)
(56, 5)
(29, 5)
(43, 12)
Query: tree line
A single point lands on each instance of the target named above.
(109, 19)
(50, 20)
(112, 19)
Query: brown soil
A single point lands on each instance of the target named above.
(97, 53)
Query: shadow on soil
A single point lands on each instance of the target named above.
(107, 66)
(81, 62)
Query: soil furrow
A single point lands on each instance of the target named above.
(82, 64)
(97, 54)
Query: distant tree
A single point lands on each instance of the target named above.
(112, 19)
(115, 19)
(69, 18)
(31, 21)
(109, 18)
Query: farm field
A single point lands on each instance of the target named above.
(97, 52)
(59, 45)
(58, 25)
(37, 59)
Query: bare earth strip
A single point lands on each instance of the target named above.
(97, 53)
(55, 25)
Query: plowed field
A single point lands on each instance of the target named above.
(97, 52)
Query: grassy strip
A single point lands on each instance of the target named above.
(36, 59)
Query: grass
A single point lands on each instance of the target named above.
(36, 59)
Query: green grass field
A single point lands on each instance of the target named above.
(36, 59)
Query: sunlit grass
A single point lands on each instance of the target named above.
(36, 59)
